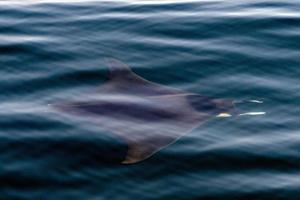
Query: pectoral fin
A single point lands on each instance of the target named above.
(119, 71)
(138, 152)
(141, 150)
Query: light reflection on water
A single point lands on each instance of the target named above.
(245, 50)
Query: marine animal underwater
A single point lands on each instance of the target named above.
(147, 116)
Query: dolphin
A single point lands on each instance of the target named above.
(145, 115)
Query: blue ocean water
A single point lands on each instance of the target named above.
(244, 49)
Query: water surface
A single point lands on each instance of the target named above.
(52, 50)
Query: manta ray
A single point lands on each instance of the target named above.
(145, 115)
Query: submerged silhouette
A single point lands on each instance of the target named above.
(145, 115)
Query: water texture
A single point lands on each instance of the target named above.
(53, 50)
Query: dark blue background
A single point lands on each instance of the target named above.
(235, 49)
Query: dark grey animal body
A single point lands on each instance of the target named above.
(146, 115)
(120, 110)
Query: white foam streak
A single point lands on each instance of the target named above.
(253, 113)
(255, 101)
(22, 108)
